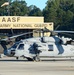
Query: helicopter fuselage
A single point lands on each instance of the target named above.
(44, 47)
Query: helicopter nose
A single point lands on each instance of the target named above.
(5, 52)
(9, 52)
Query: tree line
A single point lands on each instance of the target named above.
(61, 12)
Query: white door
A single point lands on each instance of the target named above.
(20, 50)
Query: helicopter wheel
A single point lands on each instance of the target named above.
(17, 58)
(36, 58)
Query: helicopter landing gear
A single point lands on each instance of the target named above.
(29, 59)
(17, 58)
(36, 58)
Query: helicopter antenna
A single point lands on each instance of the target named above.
(12, 31)
(57, 27)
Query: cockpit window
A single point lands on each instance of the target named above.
(15, 45)
(21, 47)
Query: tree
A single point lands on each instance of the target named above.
(3, 9)
(60, 16)
(50, 11)
(34, 11)
(18, 8)
(61, 12)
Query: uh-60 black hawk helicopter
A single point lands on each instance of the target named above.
(34, 48)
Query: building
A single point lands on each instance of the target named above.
(23, 24)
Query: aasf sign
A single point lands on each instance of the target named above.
(10, 19)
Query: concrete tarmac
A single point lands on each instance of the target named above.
(11, 66)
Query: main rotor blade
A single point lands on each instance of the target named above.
(64, 32)
(15, 36)
(59, 31)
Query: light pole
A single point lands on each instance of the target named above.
(9, 8)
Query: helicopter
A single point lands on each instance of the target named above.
(46, 46)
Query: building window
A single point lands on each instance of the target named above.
(50, 47)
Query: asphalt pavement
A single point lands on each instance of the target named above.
(11, 66)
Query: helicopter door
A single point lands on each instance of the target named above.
(20, 49)
(51, 49)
